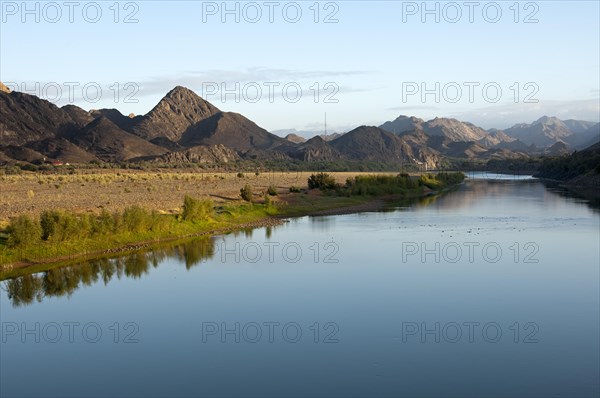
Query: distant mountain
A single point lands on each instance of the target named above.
(295, 138)
(402, 124)
(546, 131)
(375, 144)
(306, 134)
(446, 130)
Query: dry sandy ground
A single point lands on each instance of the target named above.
(92, 190)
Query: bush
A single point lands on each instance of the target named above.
(48, 221)
(240, 175)
(136, 219)
(272, 190)
(61, 226)
(294, 189)
(380, 185)
(268, 201)
(246, 193)
(23, 231)
(196, 210)
(322, 181)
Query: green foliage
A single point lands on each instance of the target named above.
(322, 181)
(380, 185)
(246, 193)
(272, 190)
(294, 189)
(196, 210)
(571, 166)
(240, 175)
(136, 219)
(23, 231)
(268, 201)
(441, 180)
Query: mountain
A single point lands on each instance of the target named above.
(110, 143)
(402, 124)
(295, 138)
(183, 127)
(368, 143)
(63, 150)
(232, 130)
(200, 154)
(546, 131)
(315, 149)
(304, 135)
(446, 130)
(454, 130)
(25, 118)
(178, 111)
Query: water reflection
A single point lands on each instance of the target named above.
(24, 287)
(64, 281)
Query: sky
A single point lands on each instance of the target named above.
(286, 64)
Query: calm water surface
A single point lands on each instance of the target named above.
(489, 291)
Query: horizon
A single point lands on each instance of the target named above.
(375, 82)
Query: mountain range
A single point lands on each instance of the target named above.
(183, 127)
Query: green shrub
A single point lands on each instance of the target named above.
(196, 210)
(48, 220)
(23, 231)
(136, 219)
(322, 181)
(294, 189)
(246, 193)
(272, 190)
(268, 201)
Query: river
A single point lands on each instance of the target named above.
(489, 290)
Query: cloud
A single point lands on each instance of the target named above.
(195, 79)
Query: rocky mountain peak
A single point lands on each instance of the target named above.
(176, 112)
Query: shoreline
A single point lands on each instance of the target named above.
(372, 204)
(307, 205)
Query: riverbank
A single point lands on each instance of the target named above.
(62, 237)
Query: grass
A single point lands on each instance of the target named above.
(74, 241)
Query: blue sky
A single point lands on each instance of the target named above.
(369, 66)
